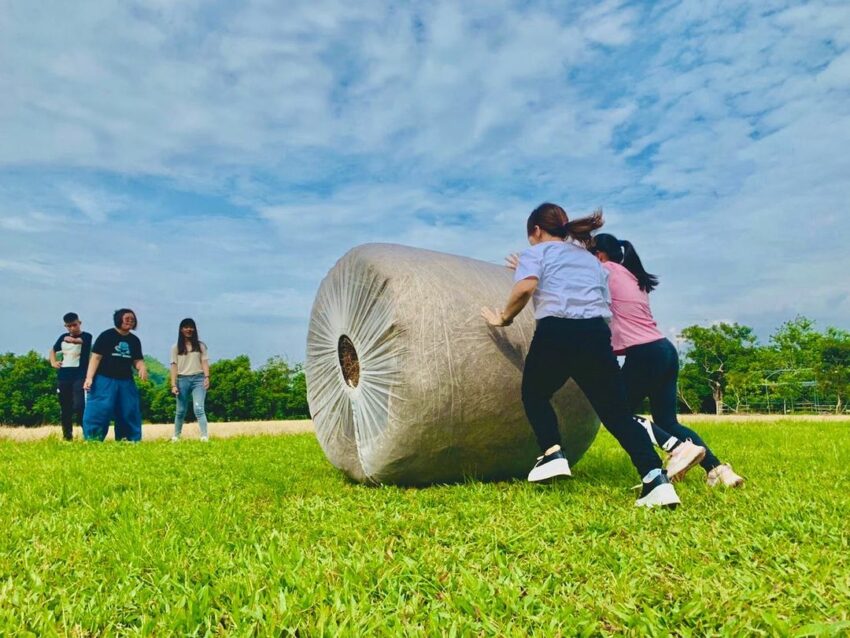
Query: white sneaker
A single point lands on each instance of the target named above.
(204, 439)
(548, 467)
(682, 458)
(659, 492)
(174, 439)
(724, 475)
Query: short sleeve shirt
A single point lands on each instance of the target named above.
(190, 363)
(632, 323)
(572, 284)
(118, 352)
(75, 355)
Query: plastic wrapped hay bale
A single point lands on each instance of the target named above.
(407, 384)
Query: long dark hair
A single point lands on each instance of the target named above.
(622, 252)
(181, 340)
(553, 219)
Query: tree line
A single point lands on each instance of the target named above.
(724, 369)
(800, 369)
(238, 392)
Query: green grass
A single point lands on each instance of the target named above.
(261, 536)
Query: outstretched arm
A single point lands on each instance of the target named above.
(517, 300)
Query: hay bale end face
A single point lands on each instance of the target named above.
(407, 384)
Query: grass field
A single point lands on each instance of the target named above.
(261, 536)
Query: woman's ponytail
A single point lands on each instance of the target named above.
(553, 219)
(646, 281)
(580, 229)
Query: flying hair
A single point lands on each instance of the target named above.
(553, 219)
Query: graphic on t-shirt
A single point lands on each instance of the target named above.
(122, 349)
(72, 348)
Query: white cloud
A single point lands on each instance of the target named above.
(94, 204)
(34, 222)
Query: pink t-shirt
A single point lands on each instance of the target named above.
(632, 323)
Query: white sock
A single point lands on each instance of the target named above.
(647, 425)
(669, 444)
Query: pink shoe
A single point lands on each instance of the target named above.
(724, 475)
(683, 458)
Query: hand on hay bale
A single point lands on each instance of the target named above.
(495, 317)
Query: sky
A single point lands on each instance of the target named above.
(214, 159)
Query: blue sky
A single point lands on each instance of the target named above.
(214, 159)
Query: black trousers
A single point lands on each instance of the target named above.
(72, 402)
(581, 349)
(652, 370)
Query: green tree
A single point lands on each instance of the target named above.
(716, 352)
(833, 366)
(273, 383)
(791, 359)
(298, 394)
(233, 390)
(156, 401)
(27, 390)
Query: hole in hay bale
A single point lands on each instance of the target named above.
(348, 361)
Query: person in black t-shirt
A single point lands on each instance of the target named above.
(109, 381)
(74, 346)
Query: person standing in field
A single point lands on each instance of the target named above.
(569, 291)
(190, 376)
(651, 367)
(110, 384)
(74, 347)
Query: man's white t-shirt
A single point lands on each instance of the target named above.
(571, 282)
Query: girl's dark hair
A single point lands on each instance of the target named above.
(118, 315)
(553, 219)
(622, 252)
(181, 340)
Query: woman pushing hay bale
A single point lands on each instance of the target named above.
(406, 385)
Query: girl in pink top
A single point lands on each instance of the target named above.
(651, 367)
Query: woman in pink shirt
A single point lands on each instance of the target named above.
(651, 367)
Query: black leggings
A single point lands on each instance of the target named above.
(581, 349)
(652, 370)
(72, 402)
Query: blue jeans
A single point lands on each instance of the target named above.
(652, 370)
(112, 399)
(190, 384)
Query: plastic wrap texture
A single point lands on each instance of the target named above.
(407, 384)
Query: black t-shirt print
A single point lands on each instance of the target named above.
(75, 355)
(118, 352)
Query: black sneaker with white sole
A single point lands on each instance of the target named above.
(548, 467)
(658, 492)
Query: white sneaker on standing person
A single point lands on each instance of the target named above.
(568, 288)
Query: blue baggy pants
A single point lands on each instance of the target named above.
(113, 399)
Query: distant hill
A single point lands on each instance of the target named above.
(157, 371)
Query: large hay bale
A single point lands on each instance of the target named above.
(407, 384)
